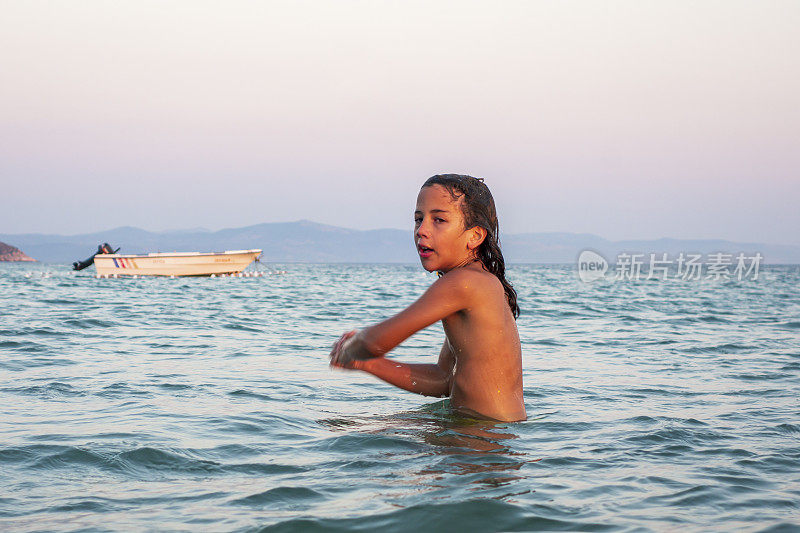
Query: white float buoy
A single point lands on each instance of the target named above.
(213, 275)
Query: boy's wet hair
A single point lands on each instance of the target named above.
(479, 210)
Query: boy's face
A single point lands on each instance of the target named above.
(442, 242)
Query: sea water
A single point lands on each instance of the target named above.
(208, 404)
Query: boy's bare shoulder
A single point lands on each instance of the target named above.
(472, 280)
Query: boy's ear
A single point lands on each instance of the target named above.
(476, 237)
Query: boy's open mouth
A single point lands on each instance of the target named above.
(424, 251)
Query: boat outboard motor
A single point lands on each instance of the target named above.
(104, 248)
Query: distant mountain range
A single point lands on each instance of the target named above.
(306, 241)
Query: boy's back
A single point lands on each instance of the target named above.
(484, 345)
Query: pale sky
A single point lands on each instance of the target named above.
(634, 119)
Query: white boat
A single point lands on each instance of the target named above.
(174, 263)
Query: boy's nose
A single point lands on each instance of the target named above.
(422, 230)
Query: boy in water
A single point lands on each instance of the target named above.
(480, 364)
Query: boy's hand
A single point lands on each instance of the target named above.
(339, 357)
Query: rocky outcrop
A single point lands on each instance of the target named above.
(9, 253)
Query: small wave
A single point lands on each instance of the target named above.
(329, 313)
(579, 463)
(24, 346)
(788, 429)
(29, 363)
(246, 427)
(763, 376)
(658, 342)
(713, 319)
(546, 426)
(263, 469)
(356, 441)
(678, 435)
(642, 419)
(285, 495)
(37, 332)
(62, 301)
(760, 393)
(71, 456)
(50, 390)
(741, 481)
(11, 344)
(16, 455)
(90, 505)
(645, 392)
(736, 453)
(725, 348)
(174, 386)
(227, 451)
(121, 390)
(97, 504)
(242, 393)
(240, 327)
(649, 420)
(697, 495)
(545, 342)
(469, 515)
(161, 460)
(88, 323)
(776, 464)
(683, 320)
(555, 313)
(781, 527)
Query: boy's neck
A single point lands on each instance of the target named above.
(462, 265)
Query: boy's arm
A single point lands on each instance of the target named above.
(445, 296)
(428, 380)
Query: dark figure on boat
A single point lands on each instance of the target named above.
(104, 248)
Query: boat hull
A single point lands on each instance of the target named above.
(174, 264)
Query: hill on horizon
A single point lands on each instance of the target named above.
(10, 253)
(308, 241)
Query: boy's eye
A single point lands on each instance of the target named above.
(418, 220)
